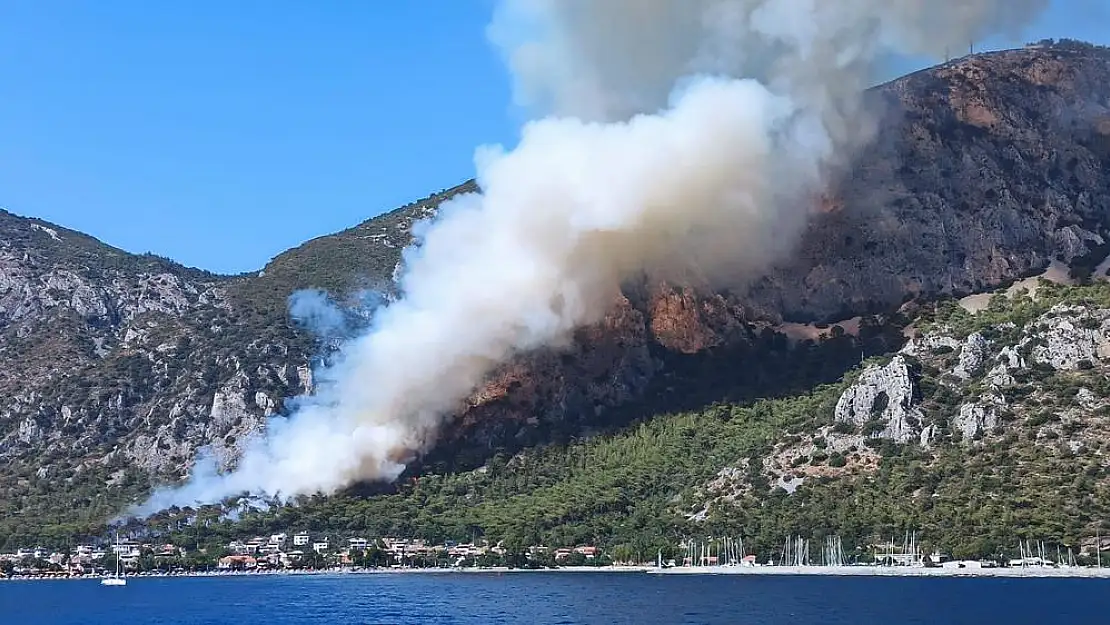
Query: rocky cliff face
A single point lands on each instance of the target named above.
(885, 396)
(985, 169)
(113, 363)
(1024, 378)
(886, 401)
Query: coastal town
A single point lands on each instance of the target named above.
(300, 551)
(305, 552)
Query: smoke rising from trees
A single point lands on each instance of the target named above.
(669, 136)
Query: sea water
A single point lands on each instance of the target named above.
(556, 598)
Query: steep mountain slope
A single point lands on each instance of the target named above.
(363, 257)
(982, 430)
(118, 367)
(986, 169)
(115, 367)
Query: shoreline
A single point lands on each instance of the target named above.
(338, 572)
(893, 571)
(801, 571)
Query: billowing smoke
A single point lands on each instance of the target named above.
(671, 136)
(610, 59)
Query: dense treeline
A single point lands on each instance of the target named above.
(623, 492)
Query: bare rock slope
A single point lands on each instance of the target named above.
(987, 168)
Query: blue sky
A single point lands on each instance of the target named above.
(220, 133)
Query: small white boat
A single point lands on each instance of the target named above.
(117, 579)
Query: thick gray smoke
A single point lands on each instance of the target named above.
(609, 59)
(671, 136)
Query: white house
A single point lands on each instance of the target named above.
(128, 549)
(320, 546)
(358, 543)
(300, 539)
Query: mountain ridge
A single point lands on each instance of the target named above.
(121, 367)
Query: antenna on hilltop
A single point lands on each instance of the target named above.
(971, 47)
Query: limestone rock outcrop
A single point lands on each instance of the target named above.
(884, 395)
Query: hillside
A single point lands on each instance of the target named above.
(362, 257)
(981, 430)
(985, 170)
(115, 367)
(119, 367)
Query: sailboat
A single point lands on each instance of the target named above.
(117, 579)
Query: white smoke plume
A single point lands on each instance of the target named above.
(313, 309)
(672, 136)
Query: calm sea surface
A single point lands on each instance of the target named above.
(566, 598)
